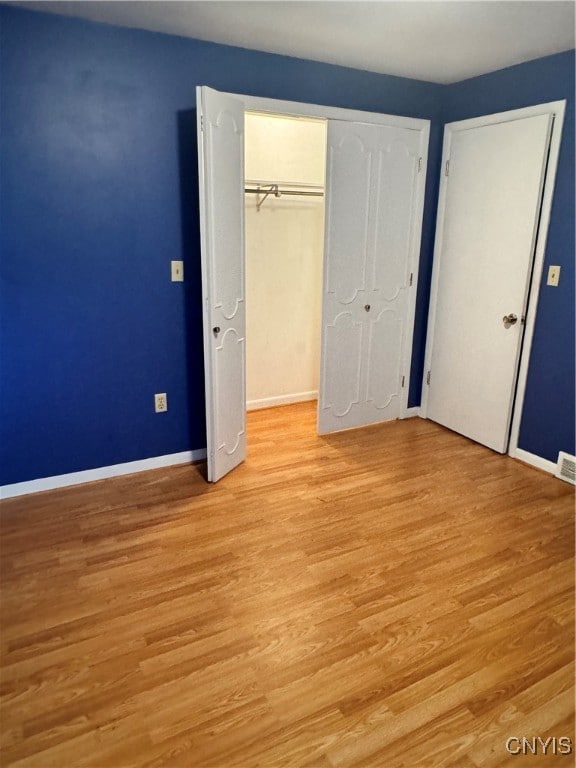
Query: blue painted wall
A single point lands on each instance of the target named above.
(98, 193)
(548, 415)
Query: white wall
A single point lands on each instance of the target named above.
(284, 249)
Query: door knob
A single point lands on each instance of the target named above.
(367, 307)
(216, 329)
(509, 320)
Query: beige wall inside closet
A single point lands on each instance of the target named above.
(284, 254)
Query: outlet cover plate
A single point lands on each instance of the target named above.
(161, 402)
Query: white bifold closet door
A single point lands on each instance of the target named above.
(221, 180)
(370, 241)
(372, 234)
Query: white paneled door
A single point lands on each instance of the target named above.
(487, 228)
(221, 172)
(371, 243)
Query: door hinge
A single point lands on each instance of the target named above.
(428, 378)
(403, 380)
(411, 278)
(201, 122)
(419, 164)
(447, 168)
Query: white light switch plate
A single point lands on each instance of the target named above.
(553, 276)
(177, 271)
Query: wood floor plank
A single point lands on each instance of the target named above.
(395, 597)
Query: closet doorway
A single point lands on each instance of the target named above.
(285, 162)
(374, 199)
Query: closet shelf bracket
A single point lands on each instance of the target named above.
(271, 189)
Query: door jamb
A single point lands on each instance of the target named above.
(557, 108)
(301, 109)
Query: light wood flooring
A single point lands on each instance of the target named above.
(393, 597)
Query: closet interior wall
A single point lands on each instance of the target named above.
(284, 255)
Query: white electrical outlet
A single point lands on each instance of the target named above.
(161, 402)
(553, 276)
(177, 271)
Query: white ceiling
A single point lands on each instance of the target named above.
(438, 41)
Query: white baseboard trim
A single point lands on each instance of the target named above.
(100, 473)
(270, 402)
(410, 413)
(533, 460)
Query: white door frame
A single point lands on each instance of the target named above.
(557, 108)
(301, 109)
